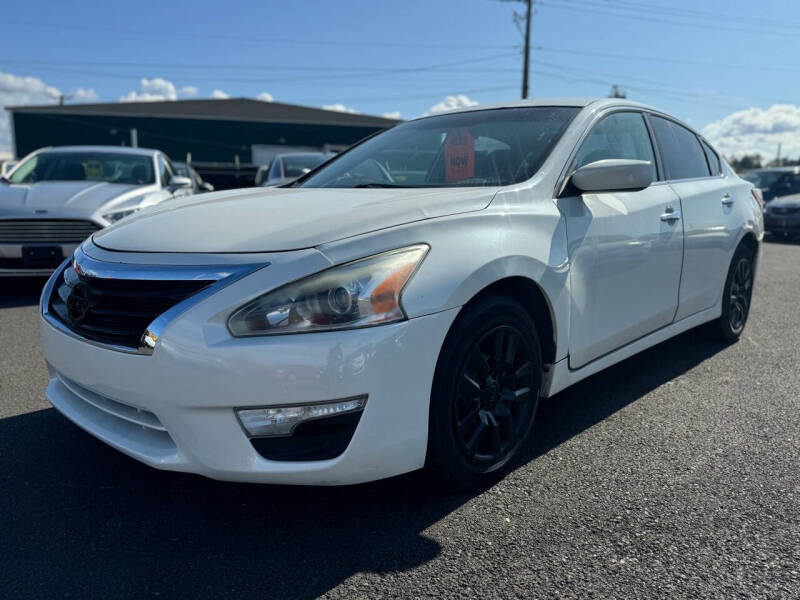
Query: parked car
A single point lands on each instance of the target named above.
(56, 197)
(285, 168)
(353, 327)
(782, 216)
(198, 185)
(775, 182)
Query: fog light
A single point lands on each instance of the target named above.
(281, 420)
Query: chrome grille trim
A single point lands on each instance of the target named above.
(42, 231)
(222, 275)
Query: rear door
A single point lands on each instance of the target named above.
(711, 209)
(625, 248)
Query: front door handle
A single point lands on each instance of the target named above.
(670, 216)
(728, 200)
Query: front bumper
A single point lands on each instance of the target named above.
(13, 264)
(774, 223)
(174, 409)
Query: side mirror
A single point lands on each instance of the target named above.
(613, 175)
(177, 182)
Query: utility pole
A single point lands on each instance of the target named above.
(617, 92)
(526, 57)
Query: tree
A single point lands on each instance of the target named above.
(746, 162)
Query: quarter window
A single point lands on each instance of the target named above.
(681, 153)
(713, 159)
(619, 135)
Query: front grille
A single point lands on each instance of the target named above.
(113, 310)
(45, 231)
(785, 210)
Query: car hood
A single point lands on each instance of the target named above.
(792, 201)
(272, 220)
(55, 196)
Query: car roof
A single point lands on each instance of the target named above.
(570, 102)
(109, 149)
(795, 169)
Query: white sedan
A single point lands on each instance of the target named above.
(56, 197)
(406, 305)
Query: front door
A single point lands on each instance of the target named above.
(625, 248)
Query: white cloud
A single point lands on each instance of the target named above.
(757, 130)
(151, 90)
(451, 103)
(265, 97)
(17, 91)
(393, 115)
(339, 107)
(189, 90)
(83, 95)
(219, 95)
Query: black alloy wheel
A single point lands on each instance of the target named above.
(737, 295)
(494, 399)
(741, 291)
(485, 392)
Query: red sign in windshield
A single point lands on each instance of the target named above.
(459, 155)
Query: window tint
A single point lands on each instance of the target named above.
(620, 135)
(681, 153)
(713, 159)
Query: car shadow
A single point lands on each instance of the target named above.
(79, 518)
(20, 291)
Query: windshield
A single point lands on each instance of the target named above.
(85, 166)
(480, 148)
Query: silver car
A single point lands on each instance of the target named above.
(285, 168)
(56, 197)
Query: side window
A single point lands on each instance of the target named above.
(619, 135)
(681, 153)
(712, 158)
(163, 173)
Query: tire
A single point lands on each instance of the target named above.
(485, 393)
(737, 296)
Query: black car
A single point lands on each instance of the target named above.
(775, 182)
(782, 216)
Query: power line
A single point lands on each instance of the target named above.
(244, 38)
(603, 9)
(678, 61)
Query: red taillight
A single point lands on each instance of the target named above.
(758, 196)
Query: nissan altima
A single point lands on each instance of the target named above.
(406, 304)
(56, 197)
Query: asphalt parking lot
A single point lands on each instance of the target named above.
(673, 474)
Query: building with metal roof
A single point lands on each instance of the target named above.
(227, 131)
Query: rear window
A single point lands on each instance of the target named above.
(681, 153)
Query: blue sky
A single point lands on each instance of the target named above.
(405, 57)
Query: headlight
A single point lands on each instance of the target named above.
(357, 294)
(116, 216)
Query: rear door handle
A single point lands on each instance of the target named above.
(728, 200)
(671, 216)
